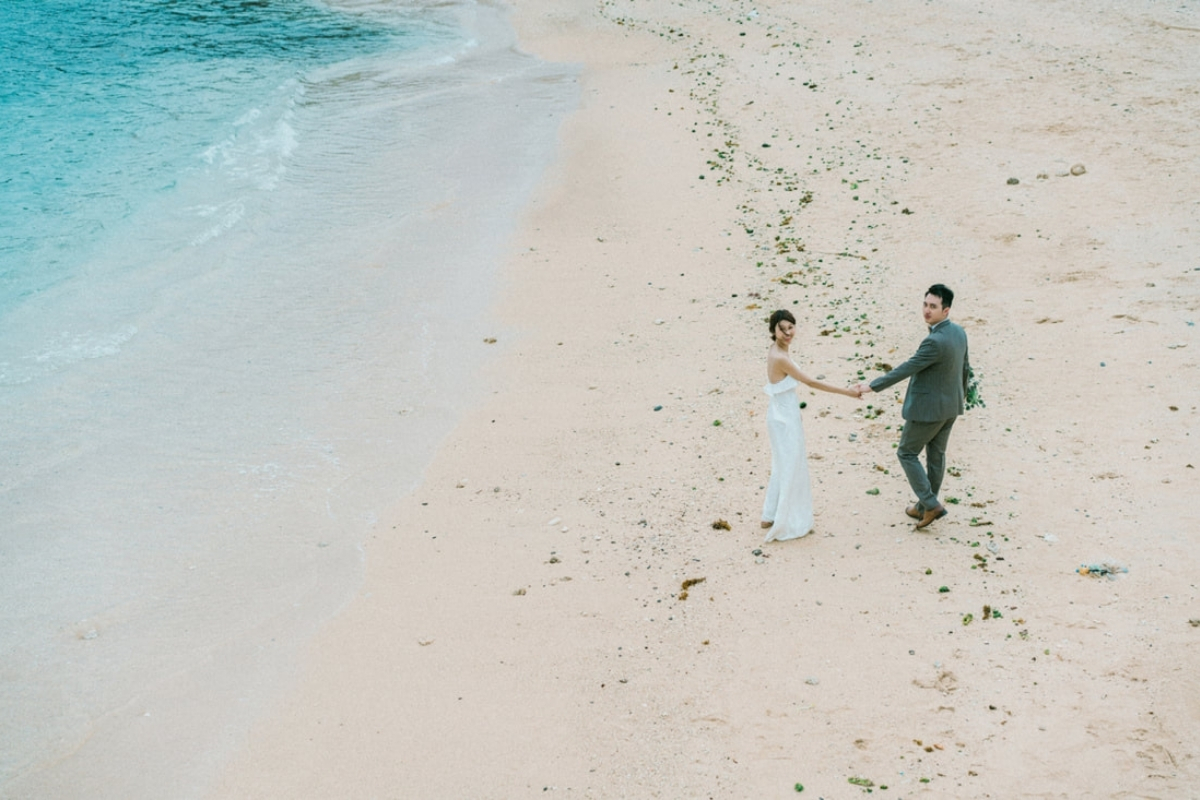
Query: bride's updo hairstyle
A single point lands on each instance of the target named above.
(782, 315)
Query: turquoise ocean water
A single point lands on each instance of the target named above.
(246, 261)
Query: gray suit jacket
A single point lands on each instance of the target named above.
(939, 373)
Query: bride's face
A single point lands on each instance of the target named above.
(784, 332)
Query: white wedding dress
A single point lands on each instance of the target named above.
(789, 494)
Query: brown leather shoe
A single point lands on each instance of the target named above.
(931, 515)
(913, 512)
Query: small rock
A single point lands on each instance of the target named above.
(1013, 181)
(1078, 169)
(519, 592)
(811, 681)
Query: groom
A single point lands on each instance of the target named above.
(934, 399)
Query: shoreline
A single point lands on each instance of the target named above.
(188, 501)
(522, 629)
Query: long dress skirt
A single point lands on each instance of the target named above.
(789, 502)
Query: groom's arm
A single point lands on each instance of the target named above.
(927, 354)
(966, 369)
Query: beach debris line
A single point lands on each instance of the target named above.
(687, 584)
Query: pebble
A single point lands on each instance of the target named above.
(1078, 169)
(811, 681)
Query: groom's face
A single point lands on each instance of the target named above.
(933, 311)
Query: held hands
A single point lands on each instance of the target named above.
(860, 389)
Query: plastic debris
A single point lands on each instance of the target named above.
(1102, 569)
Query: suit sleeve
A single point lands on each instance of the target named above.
(966, 370)
(927, 354)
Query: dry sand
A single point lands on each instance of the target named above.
(522, 631)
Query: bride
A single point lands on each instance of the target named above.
(788, 510)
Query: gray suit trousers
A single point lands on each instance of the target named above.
(931, 437)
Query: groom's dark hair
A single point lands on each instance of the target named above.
(942, 292)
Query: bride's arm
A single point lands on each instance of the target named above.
(790, 368)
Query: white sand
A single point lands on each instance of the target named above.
(521, 632)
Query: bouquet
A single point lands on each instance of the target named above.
(974, 398)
